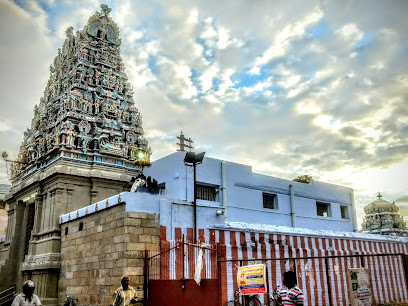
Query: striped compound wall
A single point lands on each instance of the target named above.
(235, 248)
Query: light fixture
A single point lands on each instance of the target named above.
(219, 212)
(5, 155)
(192, 158)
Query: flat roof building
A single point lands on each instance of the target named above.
(231, 192)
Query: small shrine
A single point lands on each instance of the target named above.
(382, 217)
(87, 112)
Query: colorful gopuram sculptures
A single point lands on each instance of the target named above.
(87, 111)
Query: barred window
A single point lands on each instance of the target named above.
(323, 209)
(206, 192)
(269, 201)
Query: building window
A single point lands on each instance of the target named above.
(81, 226)
(344, 212)
(323, 209)
(206, 192)
(269, 201)
(66, 231)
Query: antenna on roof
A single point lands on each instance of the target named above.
(184, 143)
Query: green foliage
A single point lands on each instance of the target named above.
(306, 179)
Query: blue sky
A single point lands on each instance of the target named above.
(299, 87)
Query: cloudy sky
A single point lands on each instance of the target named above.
(289, 87)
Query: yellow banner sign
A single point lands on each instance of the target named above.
(251, 279)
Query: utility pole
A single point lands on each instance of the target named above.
(184, 143)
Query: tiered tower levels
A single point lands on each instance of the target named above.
(87, 111)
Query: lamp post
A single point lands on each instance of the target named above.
(4, 155)
(142, 157)
(193, 159)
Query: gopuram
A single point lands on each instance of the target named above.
(382, 217)
(85, 143)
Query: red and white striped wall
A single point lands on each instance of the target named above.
(387, 274)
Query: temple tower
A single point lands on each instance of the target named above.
(382, 217)
(85, 142)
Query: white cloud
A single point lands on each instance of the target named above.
(193, 17)
(4, 126)
(290, 81)
(224, 39)
(308, 107)
(208, 33)
(350, 32)
(183, 71)
(263, 85)
(207, 77)
(403, 79)
(226, 81)
(255, 70)
(324, 121)
(282, 41)
(133, 36)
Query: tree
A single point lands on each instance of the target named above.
(306, 179)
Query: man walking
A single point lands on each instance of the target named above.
(124, 295)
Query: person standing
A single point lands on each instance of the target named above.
(289, 293)
(124, 295)
(27, 298)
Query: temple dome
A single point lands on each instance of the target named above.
(380, 205)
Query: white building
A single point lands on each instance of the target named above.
(231, 192)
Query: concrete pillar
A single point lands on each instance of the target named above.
(353, 208)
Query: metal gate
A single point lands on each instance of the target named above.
(170, 275)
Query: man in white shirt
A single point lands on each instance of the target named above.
(125, 295)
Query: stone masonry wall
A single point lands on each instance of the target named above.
(111, 243)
